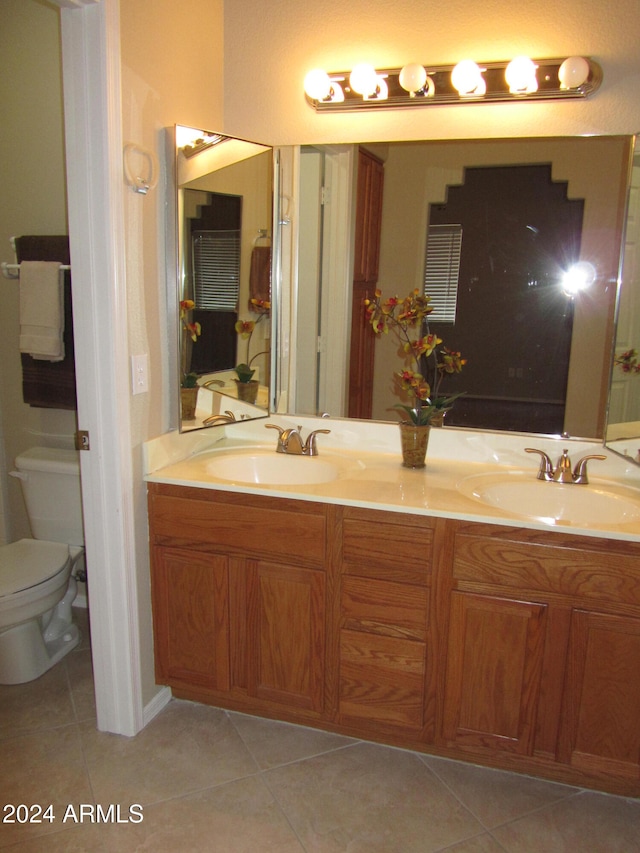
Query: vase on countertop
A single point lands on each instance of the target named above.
(414, 439)
(248, 391)
(188, 400)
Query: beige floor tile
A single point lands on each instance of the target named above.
(586, 823)
(495, 796)
(80, 674)
(480, 844)
(186, 748)
(240, 817)
(272, 743)
(40, 704)
(367, 798)
(42, 768)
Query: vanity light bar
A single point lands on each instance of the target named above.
(548, 79)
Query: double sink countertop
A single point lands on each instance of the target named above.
(469, 475)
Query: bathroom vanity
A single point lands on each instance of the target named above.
(386, 605)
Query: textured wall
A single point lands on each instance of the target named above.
(270, 46)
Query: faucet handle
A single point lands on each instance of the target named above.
(580, 471)
(280, 446)
(546, 466)
(310, 448)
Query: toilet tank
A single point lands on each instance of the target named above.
(50, 479)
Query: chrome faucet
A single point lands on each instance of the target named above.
(216, 420)
(290, 440)
(563, 473)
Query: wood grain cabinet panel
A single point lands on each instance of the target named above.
(494, 663)
(286, 636)
(191, 611)
(381, 680)
(601, 731)
(384, 616)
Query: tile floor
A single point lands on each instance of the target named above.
(208, 780)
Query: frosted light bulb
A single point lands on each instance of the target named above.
(467, 78)
(521, 76)
(412, 77)
(573, 72)
(364, 79)
(317, 84)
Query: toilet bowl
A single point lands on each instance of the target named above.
(36, 593)
(37, 587)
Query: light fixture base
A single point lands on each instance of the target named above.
(442, 91)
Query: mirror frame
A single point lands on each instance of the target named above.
(202, 159)
(288, 154)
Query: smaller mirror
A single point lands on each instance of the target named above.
(623, 422)
(224, 250)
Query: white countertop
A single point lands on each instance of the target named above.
(371, 474)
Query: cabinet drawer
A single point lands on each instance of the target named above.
(387, 546)
(383, 607)
(571, 569)
(381, 679)
(285, 530)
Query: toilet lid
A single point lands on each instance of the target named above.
(28, 562)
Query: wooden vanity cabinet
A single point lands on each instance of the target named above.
(509, 647)
(238, 592)
(543, 653)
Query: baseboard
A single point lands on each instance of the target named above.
(153, 708)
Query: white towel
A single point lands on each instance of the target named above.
(42, 310)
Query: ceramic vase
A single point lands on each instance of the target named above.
(414, 440)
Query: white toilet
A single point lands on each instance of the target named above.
(37, 588)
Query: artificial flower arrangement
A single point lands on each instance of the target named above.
(246, 328)
(427, 364)
(190, 330)
(628, 361)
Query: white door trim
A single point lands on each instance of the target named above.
(92, 106)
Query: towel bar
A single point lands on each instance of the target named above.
(13, 270)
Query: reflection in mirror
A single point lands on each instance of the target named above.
(537, 359)
(623, 424)
(224, 241)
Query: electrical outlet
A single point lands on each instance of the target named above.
(139, 374)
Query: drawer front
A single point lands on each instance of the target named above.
(385, 608)
(284, 530)
(595, 574)
(381, 680)
(380, 545)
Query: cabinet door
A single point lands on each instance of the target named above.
(494, 664)
(191, 618)
(286, 634)
(601, 719)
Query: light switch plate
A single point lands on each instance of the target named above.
(139, 374)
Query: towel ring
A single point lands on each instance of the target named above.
(140, 184)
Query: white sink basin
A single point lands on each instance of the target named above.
(271, 468)
(597, 504)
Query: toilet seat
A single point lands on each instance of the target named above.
(28, 563)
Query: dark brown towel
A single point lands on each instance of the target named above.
(260, 276)
(50, 384)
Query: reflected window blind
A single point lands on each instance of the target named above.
(216, 269)
(442, 271)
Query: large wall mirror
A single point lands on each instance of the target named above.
(321, 270)
(539, 359)
(224, 250)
